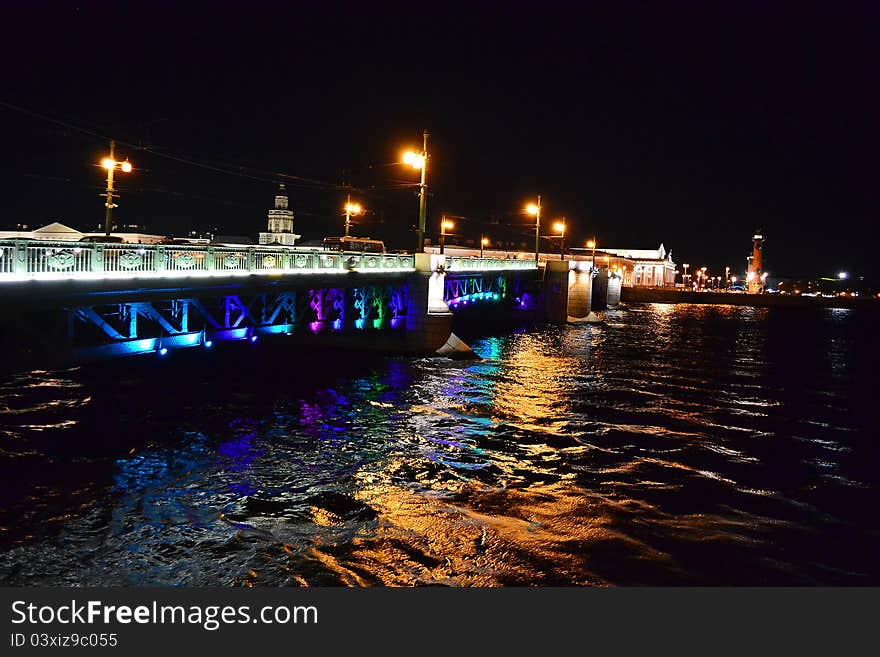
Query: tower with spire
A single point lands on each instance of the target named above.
(280, 228)
(755, 275)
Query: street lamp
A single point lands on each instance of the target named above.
(112, 165)
(419, 160)
(445, 224)
(685, 275)
(559, 227)
(726, 276)
(535, 209)
(351, 209)
(591, 244)
(484, 242)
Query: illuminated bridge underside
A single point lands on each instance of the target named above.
(463, 292)
(97, 331)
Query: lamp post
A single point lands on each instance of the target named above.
(559, 227)
(111, 165)
(535, 209)
(685, 275)
(351, 209)
(444, 225)
(592, 245)
(419, 160)
(484, 242)
(726, 276)
(703, 277)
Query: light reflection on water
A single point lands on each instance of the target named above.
(673, 445)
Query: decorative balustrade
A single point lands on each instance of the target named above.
(486, 264)
(25, 259)
(54, 260)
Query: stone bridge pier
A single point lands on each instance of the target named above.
(572, 290)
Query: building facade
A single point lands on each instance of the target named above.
(650, 267)
(59, 232)
(280, 227)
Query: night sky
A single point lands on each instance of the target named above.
(690, 124)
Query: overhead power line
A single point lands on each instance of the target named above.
(241, 171)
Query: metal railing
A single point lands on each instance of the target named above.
(54, 260)
(472, 264)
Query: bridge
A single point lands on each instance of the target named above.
(92, 300)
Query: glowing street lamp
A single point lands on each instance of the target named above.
(445, 225)
(351, 209)
(419, 160)
(559, 227)
(112, 165)
(484, 242)
(535, 209)
(842, 275)
(591, 244)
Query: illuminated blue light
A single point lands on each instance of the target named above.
(208, 344)
(359, 323)
(187, 340)
(163, 351)
(253, 338)
(337, 324)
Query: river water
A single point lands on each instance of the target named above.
(675, 445)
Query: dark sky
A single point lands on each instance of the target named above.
(682, 122)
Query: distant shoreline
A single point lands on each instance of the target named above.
(657, 295)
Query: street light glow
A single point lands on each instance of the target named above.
(485, 241)
(842, 275)
(415, 160)
(592, 245)
(559, 227)
(126, 166)
(108, 163)
(531, 208)
(353, 208)
(446, 225)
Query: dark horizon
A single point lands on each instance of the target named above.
(687, 125)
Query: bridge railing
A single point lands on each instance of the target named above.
(43, 259)
(487, 264)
